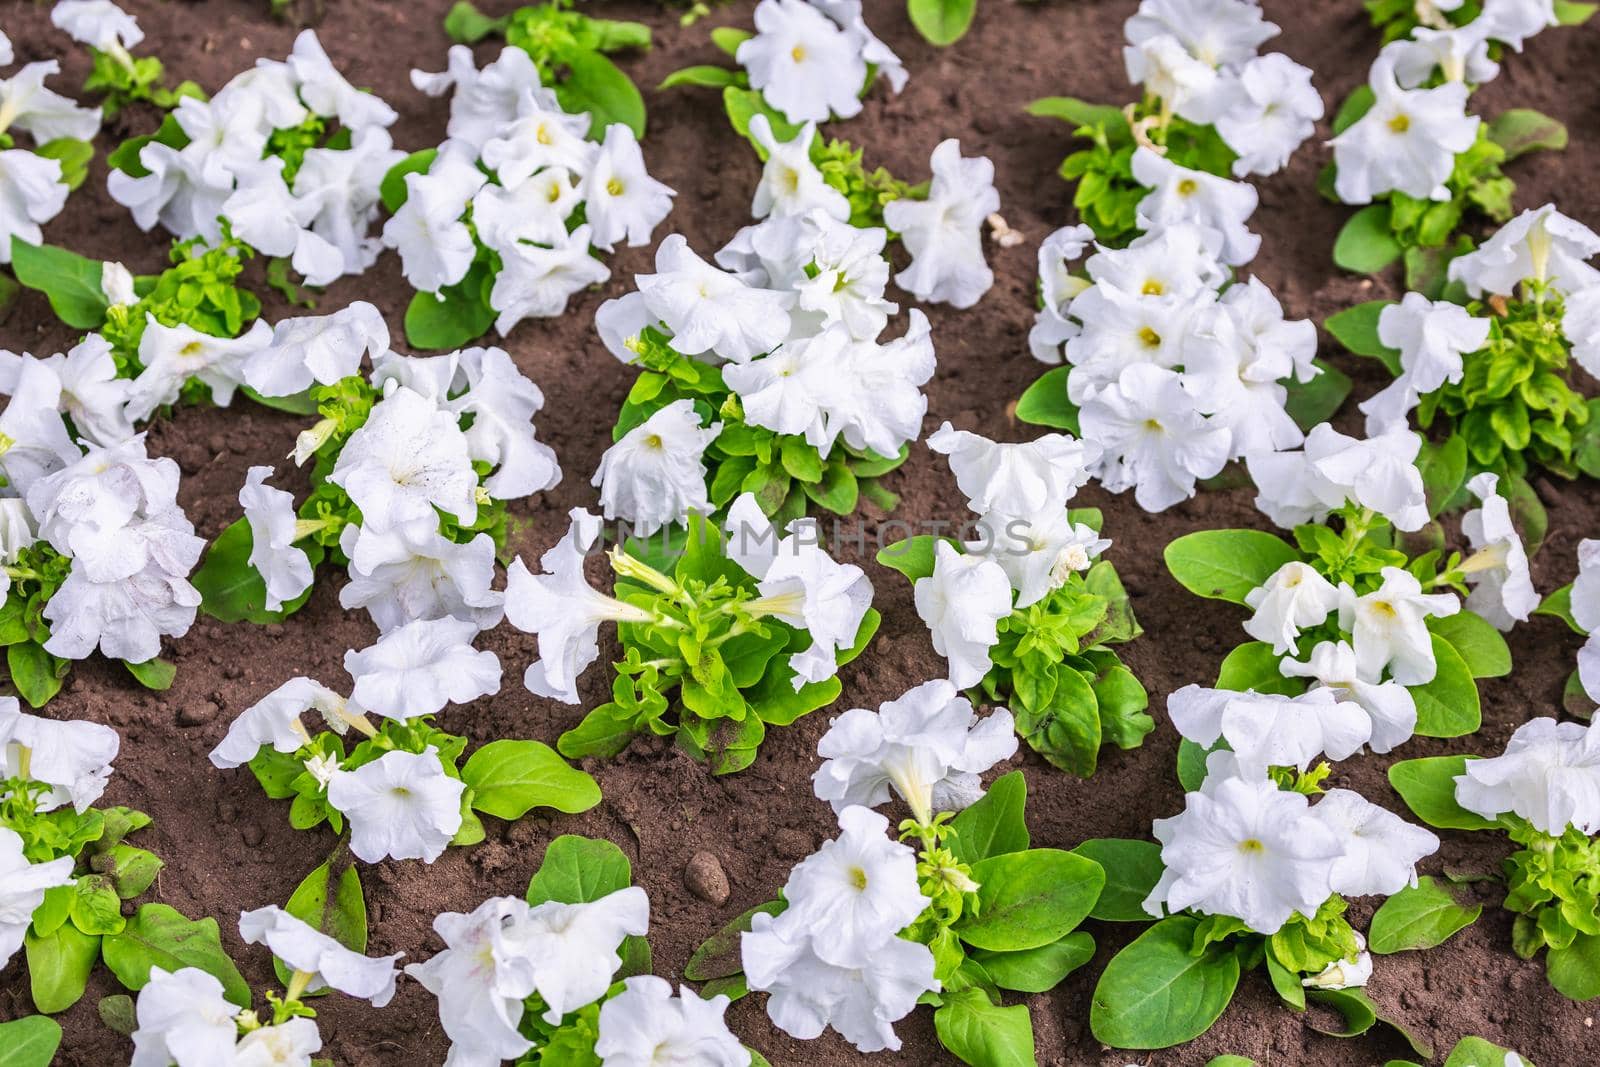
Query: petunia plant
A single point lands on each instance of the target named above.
(562, 975)
(960, 913)
(1541, 792)
(399, 784)
(1213, 110)
(1406, 146)
(1253, 874)
(1494, 363)
(1360, 635)
(411, 469)
(504, 220)
(68, 868)
(1025, 613)
(36, 180)
(1168, 366)
(122, 78)
(723, 633)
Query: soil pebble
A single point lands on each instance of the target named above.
(197, 714)
(704, 877)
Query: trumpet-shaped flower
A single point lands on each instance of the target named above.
(1178, 194)
(537, 282)
(330, 964)
(1234, 362)
(1246, 849)
(32, 192)
(184, 1019)
(1270, 730)
(1388, 627)
(173, 354)
(484, 101)
(1379, 473)
(1458, 53)
(284, 568)
(535, 210)
(803, 62)
(92, 395)
(317, 349)
(621, 200)
(40, 444)
(709, 310)
(1058, 287)
(275, 720)
(289, 1044)
(656, 474)
(543, 135)
(1407, 142)
(563, 610)
(572, 948)
(25, 104)
(1216, 32)
(791, 184)
(22, 889)
(408, 458)
(961, 602)
(414, 573)
(481, 979)
(418, 668)
(401, 806)
(1346, 973)
(1580, 324)
(1153, 438)
(1381, 849)
(1540, 245)
(1389, 705)
(1186, 86)
(1549, 775)
(1514, 21)
(1431, 336)
(1502, 588)
(1038, 553)
(1017, 479)
(1295, 598)
(794, 388)
(944, 233)
(327, 93)
(1274, 109)
(435, 245)
(72, 757)
(646, 1026)
(881, 411)
(100, 24)
(127, 617)
(340, 197)
(929, 746)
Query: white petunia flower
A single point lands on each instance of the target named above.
(621, 200)
(174, 354)
(183, 1019)
(1039, 552)
(1381, 849)
(1295, 598)
(31, 193)
(563, 610)
(961, 602)
(1186, 86)
(1431, 336)
(40, 444)
(327, 93)
(284, 568)
(1216, 32)
(73, 757)
(1235, 360)
(929, 746)
(317, 349)
(711, 311)
(543, 135)
(481, 978)
(1245, 849)
(803, 63)
(1379, 473)
(1549, 775)
(1153, 438)
(1058, 287)
(287, 1044)
(418, 668)
(1344, 974)
(1580, 324)
(1540, 245)
(401, 806)
(791, 184)
(177, 192)
(533, 211)
(1178, 194)
(1388, 627)
(413, 572)
(795, 388)
(1389, 705)
(1586, 613)
(646, 1026)
(1017, 479)
(22, 889)
(1407, 142)
(881, 409)
(408, 458)
(92, 395)
(1272, 113)
(25, 104)
(275, 720)
(330, 964)
(340, 191)
(572, 948)
(944, 233)
(656, 474)
(1514, 21)
(1502, 588)
(488, 100)
(536, 282)
(1459, 53)
(1270, 730)
(435, 245)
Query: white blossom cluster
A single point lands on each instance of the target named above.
(1549, 774)
(402, 805)
(505, 951)
(1409, 139)
(408, 459)
(512, 175)
(1200, 57)
(1028, 543)
(810, 59)
(32, 189)
(833, 957)
(1175, 370)
(1246, 848)
(318, 217)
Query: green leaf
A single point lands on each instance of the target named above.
(1253, 665)
(1157, 992)
(1045, 403)
(1230, 1061)
(29, 1042)
(393, 189)
(1030, 898)
(96, 907)
(983, 1034)
(1132, 870)
(35, 673)
(1192, 764)
(1558, 605)
(509, 778)
(230, 589)
(1366, 244)
(343, 916)
(1285, 983)
(154, 674)
(160, 936)
(1358, 1012)
(295, 403)
(70, 281)
(598, 86)
(1357, 104)
(59, 966)
(942, 23)
(1082, 113)
(913, 557)
(743, 105)
(1574, 971)
(455, 316)
(1066, 730)
(719, 956)
(604, 732)
(579, 870)
(1448, 706)
(1417, 917)
(1476, 1052)
(1428, 787)
(1481, 647)
(703, 75)
(1036, 970)
(72, 154)
(131, 870)
(1523, 130)
(1227, 564)
(996, 824)
(1357, 329)
(1572, 13)
(1444, 471)
(1316, 401)
(465, 24)
(729, 38)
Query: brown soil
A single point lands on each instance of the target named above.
(228, 848)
